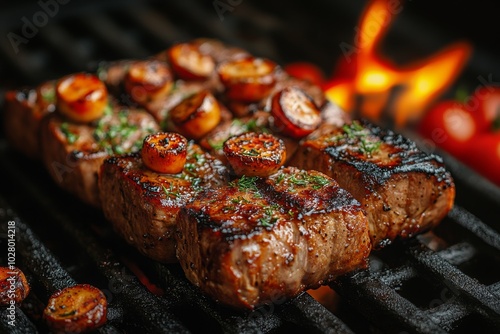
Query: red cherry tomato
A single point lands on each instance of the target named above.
(484, 105)
(306, 71)
(450, 126)
(483, 155)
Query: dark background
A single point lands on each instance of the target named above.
(83, 33)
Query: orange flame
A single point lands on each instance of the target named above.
(365, 82)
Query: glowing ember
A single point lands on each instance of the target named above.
(371, 86)
(326, 297)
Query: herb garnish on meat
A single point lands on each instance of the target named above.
(355, 131)
(70, 136)
(170, 193)
(268, 219)
(110, 135)
(49, 95)
(303, 179)
(245, 183)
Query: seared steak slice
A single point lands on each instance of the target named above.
(24, 110)
(73, 153)
(403, 190)
(258, 240)
(142, 205)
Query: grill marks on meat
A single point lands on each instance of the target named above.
(142, 205)
(403, 190)
(258, 240)
(254, 240)
(73, 153)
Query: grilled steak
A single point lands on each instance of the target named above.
(24, 111)
(142, 205)
(254, 240)
(403, 190)
(258, 240)
(73, 153)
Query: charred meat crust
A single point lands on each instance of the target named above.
(404, 157)
(143, 206)
(72, 168)
(403, 190)
(272, 238)
(311, 191)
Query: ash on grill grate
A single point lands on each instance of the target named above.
(440, 282)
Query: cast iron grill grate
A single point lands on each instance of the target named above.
(415, 286)
(443, 281)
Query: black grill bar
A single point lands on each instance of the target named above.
(23, 324)
(58, 38)
(447, 314)
(146, 308)
(304, 311)
(155, 24)
(384, 306)
(185, 293)
(376, 293)
(458, 253)
(466, 287)
(136, 300)
(483, 299)
(113, 36)
(373, 293)
(43, 266)
(471, 223)
(384, 298)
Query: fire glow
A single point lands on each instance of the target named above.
(373, 87)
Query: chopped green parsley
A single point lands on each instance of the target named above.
(356, 131)
(70, 136)
(170, 193)
(303, 179)
(49, 95)
(245, 183)
(110, 136)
